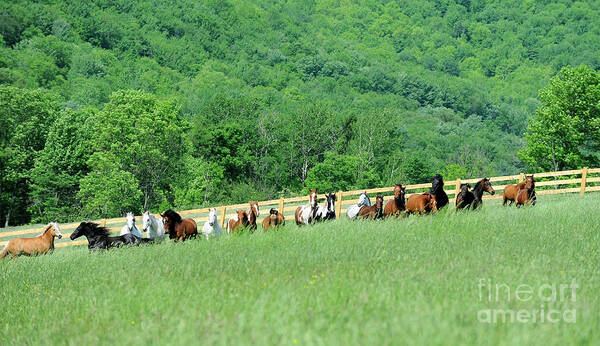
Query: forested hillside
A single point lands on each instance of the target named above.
(125, 105)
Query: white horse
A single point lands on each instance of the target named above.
(212, 226)
(354, 209)
(130, 227)
(153, 226)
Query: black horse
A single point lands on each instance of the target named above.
(473, 199)
(99, 237)
(437, 189)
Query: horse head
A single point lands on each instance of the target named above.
(146, 221)
(82, 229)
(54, 230)
(130, 221)
(363, 200)
(212, 217)
(488, 186)
(331, 199)
(312, 198)
(431, 202)
(464, 188)
(529, 182)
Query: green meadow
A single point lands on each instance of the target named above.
(414, 280)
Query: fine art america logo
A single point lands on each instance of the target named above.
(553, 302)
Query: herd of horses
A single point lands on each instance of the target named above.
(179, 229)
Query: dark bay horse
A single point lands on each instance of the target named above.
(421, 203)
(99, 237)
(437, 189)
(178, 228)
(526, 194)
(39, 245)
(394, 207)
(473, 199)
(274, 219)
(372, 212)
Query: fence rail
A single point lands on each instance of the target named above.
(287, 206)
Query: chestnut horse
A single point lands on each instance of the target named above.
(526, 194)
(473, 199)
(394, 207)
(253, 215)
(237, 222)
(274, 219)
(511, 190)
(178, 228)
(306, 214)
(39, 245)
(372, 212)
(421, 204)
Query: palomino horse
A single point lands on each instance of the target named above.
(130, 227)
(373, 212)
(274, 219)
(237, 222)
(211, 226)
(153, 226)
(306, 214)
(178, 228)
(33, 246)
(327, 210)
(394, 207)
(354, 209)
(526, 194)
(253, 215)
(511, 190)
(421, 204)
(473, 199)
(99, 237)
(437, 189)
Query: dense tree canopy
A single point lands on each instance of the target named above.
(124, 105)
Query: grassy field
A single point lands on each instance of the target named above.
(415, 280)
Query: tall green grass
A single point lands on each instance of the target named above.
(402, 281)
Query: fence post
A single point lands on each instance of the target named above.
(457, 189)
(583, 180)
(521, 177)
(338, 206)
(281, 204)
(223, 210)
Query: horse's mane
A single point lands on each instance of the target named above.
(437, 184)
(97, 229)
(478, 184)
(172, 215)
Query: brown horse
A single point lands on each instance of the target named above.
(39, 245)
(253, 215)
(274, 219)
(526, 194)
(394, 207)
(237, 222)
(421, 204)
(306, 214)
(177, 228)
(372, 212)
(511, 190)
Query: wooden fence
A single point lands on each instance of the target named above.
(577, 181)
